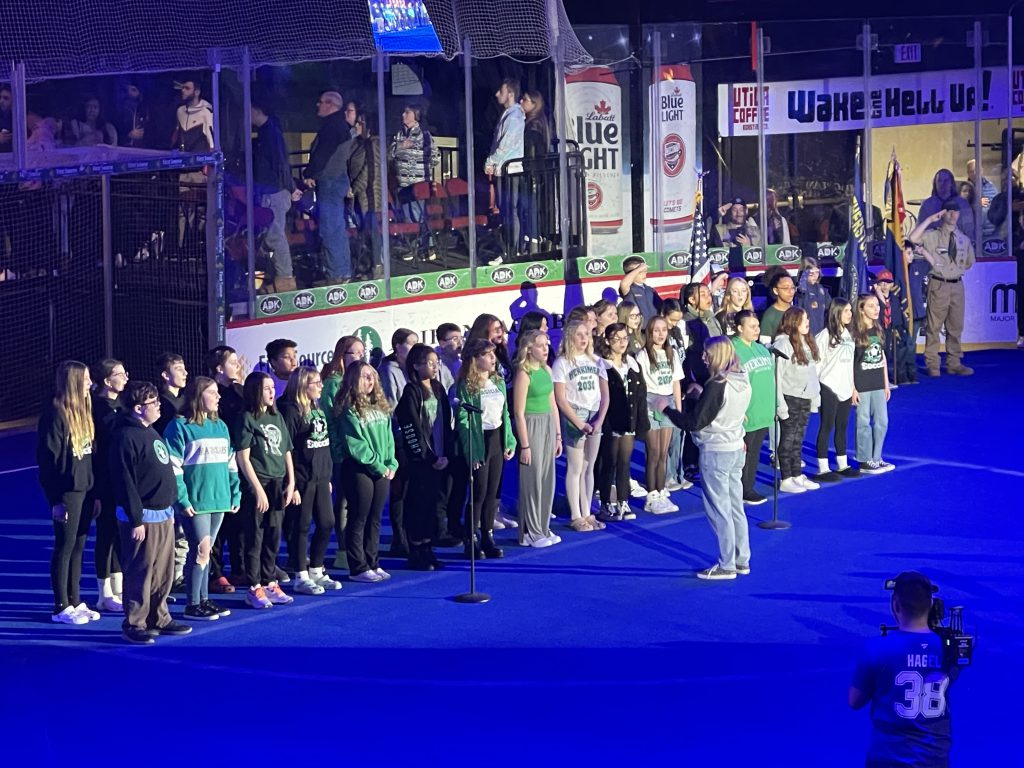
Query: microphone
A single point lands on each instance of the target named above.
(777, 353)
(467, 407)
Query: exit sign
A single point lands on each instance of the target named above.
(907, 53)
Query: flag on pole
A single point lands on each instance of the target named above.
(855, 265)
(700, 260)
(895, 215)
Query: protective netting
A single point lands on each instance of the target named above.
(75, 37)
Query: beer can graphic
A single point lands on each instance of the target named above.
(673, 107)
(594, 104)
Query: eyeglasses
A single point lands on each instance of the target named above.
(150, 402)
(119, 374)
(617, 339)
(635, 314)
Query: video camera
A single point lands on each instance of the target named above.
(957, 645)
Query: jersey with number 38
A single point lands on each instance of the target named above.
(903, 675)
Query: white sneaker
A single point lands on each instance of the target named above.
(885, 466)
(499, 524)
(110, 604)
(626, 511)
(84, 610)
(509, 522)
(636, 490)
(652, 502)
(323, 579)
(529, 540)
(791, 485)
(384, 575)
(69, 616)
(666, 500)
(306, 586)
(496, 262)
(673, 485)
(807, 483)
(554, 538)
(368, 577)
(685, 485)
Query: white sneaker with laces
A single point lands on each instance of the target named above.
(84, 610)
(323, 579)
(673, 485)
(498, 524)
(539, 542)
(791, 485)
(636, 490)
(384, 575)
(510, 522)
(554, 538)
(626, 511)
(110, 604)
(651, 505)
(666, 501)
(807, 483)
(306, 586)
(69, 616)
(367, 577)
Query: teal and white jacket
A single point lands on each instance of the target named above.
(204, 465)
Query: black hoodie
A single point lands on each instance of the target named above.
(59, 471)
(104, 413)
(415, 433)
(140, 468)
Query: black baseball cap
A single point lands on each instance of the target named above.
(951, 205)
(912, 586)
(738, 201)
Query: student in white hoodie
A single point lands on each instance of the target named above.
(714, 416)
(835, 374)
(799, 395)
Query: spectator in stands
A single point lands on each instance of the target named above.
(6, 119)
(413, 155)
(194, 128)
(508, 144)
(132, 116)
(64, 455)
(43, 132)
(89, 127)
(988, 193)
(781, 292)
(966, 191)
(778, 227)
(208, 489)
(735, 229)
(949, 253)
(537, 129)
(737, 299)
(536, 196)
(272, 178)
(811, 295)
(633, 287)
(799, 395)
(944, 190)
(327, 172)
(364, 172)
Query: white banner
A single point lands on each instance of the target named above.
(672, 148)
(990, 296)
(840, 104)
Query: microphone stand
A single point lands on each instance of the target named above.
(775, 524)
(471, 597)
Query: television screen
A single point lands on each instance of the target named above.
(403, 26)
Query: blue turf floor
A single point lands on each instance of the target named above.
(604, 649)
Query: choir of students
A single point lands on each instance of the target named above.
(289, 454)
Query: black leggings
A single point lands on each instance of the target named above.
(396, 507)
(108, 539)
(315, 507)
(68, 546)
(791, 435)
(456, 488)
(613, 458)
(426, 484)
(834, 418)
(340, 508)
(261, 532)
(365, 494)
(753, 441)
(230, 534)
(487, 483)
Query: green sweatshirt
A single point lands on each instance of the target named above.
(757, 363)
(467, 423)
(204, 465)
(369, 439)
(331, 386)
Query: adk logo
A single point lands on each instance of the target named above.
(720, 256)
(368, 292)
(536, 272)
(1004, 298)
(502, 275)
(270, 305)
(596, 266)
(369, 336)
(673, 155)
(827, 251)
(679, 260)
(304, 300)
(447, 281)
(594, 195)
(753, 256)
(161, 451)
(336, 296)
(994, 247)
(415, 285)
(787, 254)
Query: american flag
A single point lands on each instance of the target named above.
(700, 261)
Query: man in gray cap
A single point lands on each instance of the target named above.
(949, 254)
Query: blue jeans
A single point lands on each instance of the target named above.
(200, 530)
(872, 424)
(721, 475)
(675, 457)
(333, 227)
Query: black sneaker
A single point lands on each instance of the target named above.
(280, 576)
(849, 472)
(754, 498)
(871, 468)
(220, 610)
(174, 628)
(827, 477)
(200, 613)
(178, 585)
(136, 635)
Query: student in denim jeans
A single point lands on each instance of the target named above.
(870, 386)
(714, 415)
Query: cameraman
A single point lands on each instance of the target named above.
(902, 675)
